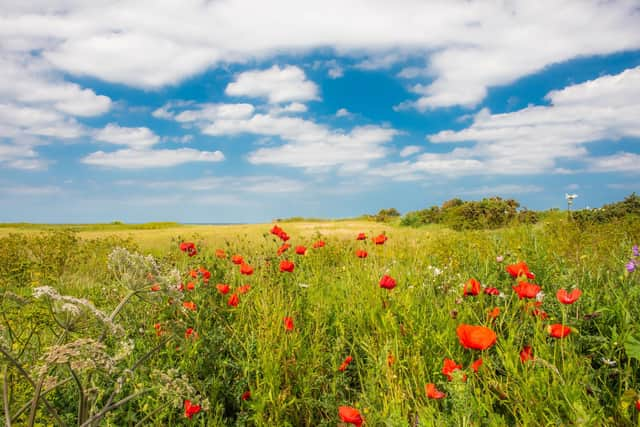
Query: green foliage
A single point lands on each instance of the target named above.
(490, 213)
(609, 213)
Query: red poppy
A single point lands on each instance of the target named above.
(390, 359)
(558, 331)
(286, 265)
(158, 328)
(246, 395)
(568, 297)
(638, 405)
(476, 337)
(387, 282)
(361, 253)
(233, 300)
(206, 274)
(344, 364)
(319, 244)
(476, 365)
(449, 366)
(220, 253)
(193, 274)
(520, 269)
(539, 313)
(246, 269)
(181, 287)
(284, 236)
(472, 287)
(223, 288)
(494, 313)
(301, 250)
(190, 410)
(237, 259)
(189, 248)
(191, 286)
(350, 415)
(433, 392)
(361, 236)
(189, 305)
(244, 289)
(282, 249)
(380, 239)
(288, 323)
(190, 333)
(277, 230)
(155, 287)
(491, 291)
(526, 353)
(526, 290)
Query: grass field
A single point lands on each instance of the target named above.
(94, 331)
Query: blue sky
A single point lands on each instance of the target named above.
(241, 111)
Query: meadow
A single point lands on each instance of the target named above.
(320, 323)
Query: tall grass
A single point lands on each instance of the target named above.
(397, 338)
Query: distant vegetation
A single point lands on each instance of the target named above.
(113, 226)
(611, 212)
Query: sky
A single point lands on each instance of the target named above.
(241, 111)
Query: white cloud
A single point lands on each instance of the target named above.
(30, 190)
(138, 137)
(467, 47)
(293, 108)
(232, 184)
(275, 84)
(209, 112)
(343, 112)
(620, 162)
(410, 150)
(146, 158)
(534, 139)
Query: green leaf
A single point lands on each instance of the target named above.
(632, 347)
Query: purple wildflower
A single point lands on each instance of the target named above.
(635, 251)
(631, 266)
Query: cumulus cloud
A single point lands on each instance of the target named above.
(146, 158)
(534, 139)
(275, 84)
(134, 137)
(466, 48)
(410, 150)
(343, 112)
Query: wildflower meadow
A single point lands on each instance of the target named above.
(322, 324)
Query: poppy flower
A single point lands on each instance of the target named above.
(190, 410)
(476, 337)
(432, 392)
(449, 366)
(390, 359)
(319, 244)
(387, 282)
(244, 289)
(526, 290)
(472, 287)
(220, 253)
(223, 288)
(568, 297)
(476, 365)
(246, 269)
(361, 236)
(344, 364)
(539, 313)
(494, 313)
(350, 415)
(189, 305)
(301, 250)
(283, 236)
(558, 331)
(155, 287)
(206, 274)
(189, 248)
(276, 230)
(286, 265)
(246, 395)
(380, 239)
(158, 328)
(193, 274)
(491, 291)
(237, 259)
(288, 323)
(233, 300)
(526, 353)
(190, 333)
(638, 405)
(361, 253)
(282, 249)
(191, 286)
(520, 269)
